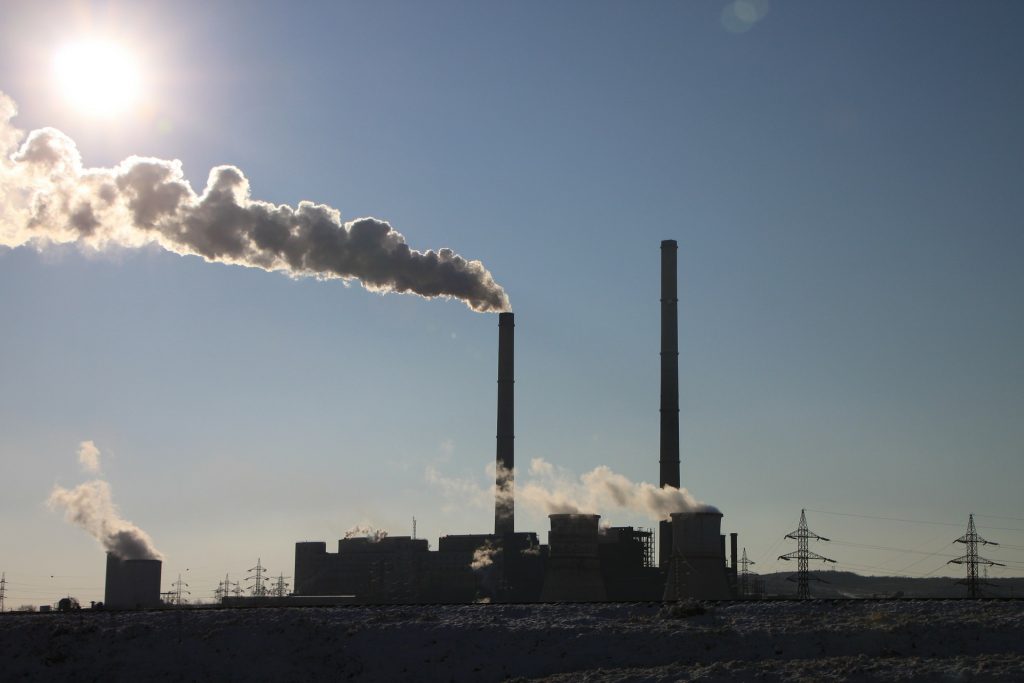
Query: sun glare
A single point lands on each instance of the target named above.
(97, 78)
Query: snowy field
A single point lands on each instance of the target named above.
(770, 641)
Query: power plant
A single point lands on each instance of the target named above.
(580, 563)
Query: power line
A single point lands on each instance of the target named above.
(909, 521)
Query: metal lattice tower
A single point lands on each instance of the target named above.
(257, 589)
(971, 539)
(3, 590)
(745, 574)
(179, 588)
(803, 555)
(280, 588)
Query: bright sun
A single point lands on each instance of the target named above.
(97, 78)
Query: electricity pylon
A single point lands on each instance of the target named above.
(971, 539)
(280, 586)
(745, 575)
(179, 587)
(802, 555)
(3, 590)
(257, 589)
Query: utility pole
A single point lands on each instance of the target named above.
(257, 589)
(971, 539)
(745, 575)
(802, 555)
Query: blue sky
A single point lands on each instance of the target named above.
(842, 179)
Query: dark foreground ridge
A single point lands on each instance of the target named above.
(770, 640)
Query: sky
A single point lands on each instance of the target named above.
(843, 181)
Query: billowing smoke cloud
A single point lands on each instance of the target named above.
(91, 507)
(48, 196)
(368, 532)
(547, 489)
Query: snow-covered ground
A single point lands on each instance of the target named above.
(788, 641)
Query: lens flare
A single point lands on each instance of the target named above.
(97, 78)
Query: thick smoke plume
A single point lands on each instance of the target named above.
(48, 196)
(547, 489)
(91, 507)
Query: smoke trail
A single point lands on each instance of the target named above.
(49, 197)
(366, 531)
(91, 507)
(89, 456)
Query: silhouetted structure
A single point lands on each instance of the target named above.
(745, 575)
(697, 567)
(579, 564)
(802, 555)
(504, 504)
(574, 568)
(132, 584)
(669, 409)
(972, 559)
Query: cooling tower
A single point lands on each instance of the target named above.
(697, 567)
(574, 570)
(132, 584)
(504, 505)
(669, 460)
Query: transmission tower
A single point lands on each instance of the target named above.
(179, 587)
(971, 539)
(3, 590)
(257, 589)
(802, 555)
(280, 586)
(745, 575)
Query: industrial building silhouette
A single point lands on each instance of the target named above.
(580, 562)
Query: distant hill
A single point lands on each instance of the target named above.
(850, 585)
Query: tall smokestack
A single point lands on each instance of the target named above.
(504, 504)
(669, 385)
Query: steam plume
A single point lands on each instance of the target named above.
(555, 491)
(91, 507)
(483, 557)
(89, 456)
(50, 197)
(547, 489)
(366, 531)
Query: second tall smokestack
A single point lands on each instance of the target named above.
(504, 505)
(669, 460)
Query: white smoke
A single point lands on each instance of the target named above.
(547, 489)
(366, 531)
(91, 507)
(89, 456)
(48, 196)
(483, 557)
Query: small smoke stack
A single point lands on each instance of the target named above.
(504, 504)
(734, 542)
(669, 385)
